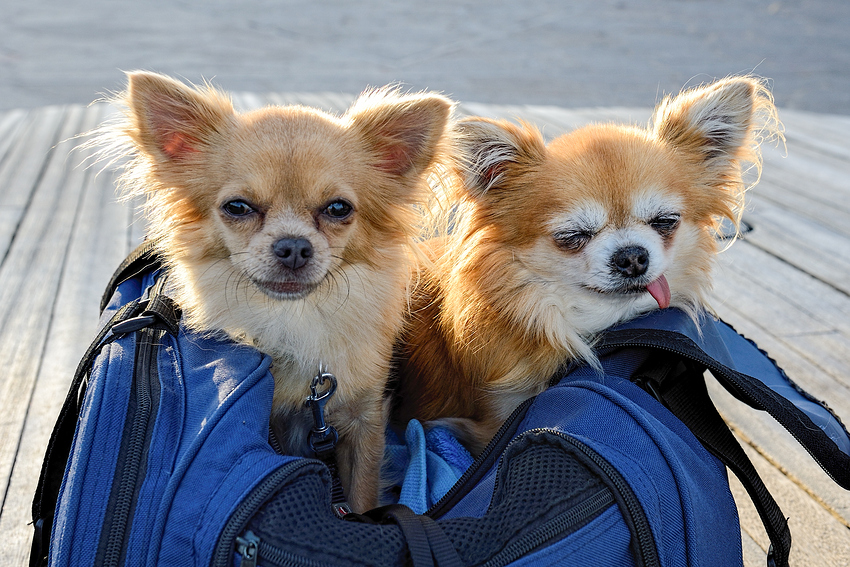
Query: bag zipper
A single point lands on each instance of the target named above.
(482, 464)
(230, 538)
(145, 373)
(644, 542)
(252, 548)
(562, 523)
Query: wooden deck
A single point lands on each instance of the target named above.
(786, 286)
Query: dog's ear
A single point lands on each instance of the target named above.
(488, 150)
(173, 122)
(404, 132)
(718, 124)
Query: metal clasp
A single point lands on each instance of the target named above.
(323, 437)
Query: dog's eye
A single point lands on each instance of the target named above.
(573, 240)
(338, 210)
(666, 224)
(237, 208)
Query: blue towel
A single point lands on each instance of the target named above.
(423, 467)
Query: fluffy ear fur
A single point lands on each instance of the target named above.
(719, 123)
(721, 127)
(488, 149)
(404, 131)
(171, 121)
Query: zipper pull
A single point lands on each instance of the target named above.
(248, 548)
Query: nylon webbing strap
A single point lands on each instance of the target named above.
(688, 399)
(328, 457)
(428, 544)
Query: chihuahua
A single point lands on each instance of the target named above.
(291, 230)
(551, 244)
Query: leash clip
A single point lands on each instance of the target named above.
(323, 437)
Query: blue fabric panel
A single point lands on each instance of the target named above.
(223, 448)
(682, 487)
(91, 466)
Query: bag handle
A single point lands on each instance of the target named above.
(428, 544)
(749, 374)
(681, 388)
(144, 258)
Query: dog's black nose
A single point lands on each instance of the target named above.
(293, 252)
(631, 261)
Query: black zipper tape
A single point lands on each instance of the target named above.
(132, 459)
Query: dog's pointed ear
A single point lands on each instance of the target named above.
(717, 124)
(171, 121)
(404, 132)
(489, 150)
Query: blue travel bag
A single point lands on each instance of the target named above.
(161, 456)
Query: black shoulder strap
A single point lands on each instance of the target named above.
(675, 375)
(681, 388)
(749, 375)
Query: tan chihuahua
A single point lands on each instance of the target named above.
(291, 230)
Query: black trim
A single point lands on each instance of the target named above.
(145, 258)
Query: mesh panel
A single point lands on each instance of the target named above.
(537, 481)
(540, 482)
(299, 520)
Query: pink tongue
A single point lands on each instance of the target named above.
(660, 291)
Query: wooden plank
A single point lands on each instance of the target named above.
(773, 310)
(824, 133)
(798, 319)
(554, 121)
(802, 315)
(10, 124)
(778, 447)
(30, 278)
(818, 538)
(808, 185)
(22, 168)
(819, 176)
(244, 102)
(801, 242)
(551, 123)
(754, 556)
(333, 103)
(489, 110)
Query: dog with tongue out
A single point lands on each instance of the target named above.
(552, 243)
